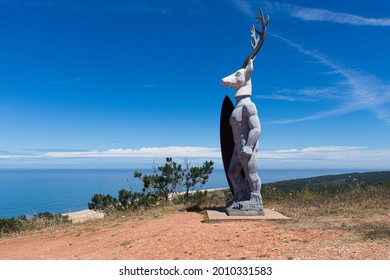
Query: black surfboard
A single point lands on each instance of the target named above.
(226, 137)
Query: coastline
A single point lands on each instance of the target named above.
(90, 215)
(29, 192)
(84, 216)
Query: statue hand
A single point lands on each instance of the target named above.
(246, 152)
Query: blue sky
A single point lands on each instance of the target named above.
(120, 84)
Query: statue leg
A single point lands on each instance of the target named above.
(255, 202)
(247, 200)
(236, 178)
(250, 169)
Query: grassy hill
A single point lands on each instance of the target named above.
(333, 181)
(355, 204)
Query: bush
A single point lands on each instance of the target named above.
(101, 202)
(127, 200)
(159, 187)
(199, 200)
(48, 218)
(197, 176)
(195, 199)
(170, 178)
(44, 215)
(10, 225)
(38, 221)
(164, 180)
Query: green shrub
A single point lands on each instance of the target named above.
(38, 221)
(127, 200)
(49, 218)
(197, 201)
(196, 176)
(10, 225)
(44, 215)
(145, 200)
(170, 178)
(159, 187)
(102, 202)
(195, 198)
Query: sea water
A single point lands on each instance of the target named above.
(28, 192)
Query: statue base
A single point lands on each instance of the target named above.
(251, 207)
(219, 215)
(234, 212)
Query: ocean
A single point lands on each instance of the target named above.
(28, 192)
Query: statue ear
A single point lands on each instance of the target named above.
(249, 69)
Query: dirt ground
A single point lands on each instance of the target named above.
(186, 236)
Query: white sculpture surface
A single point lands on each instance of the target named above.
(240, 80)
(246, 129)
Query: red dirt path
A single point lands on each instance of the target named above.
(185, 236)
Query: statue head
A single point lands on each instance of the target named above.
(241, 79)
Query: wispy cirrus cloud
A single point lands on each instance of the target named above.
(317, 152)
(315, 14)
(309, 94)
(244, 6)
(310, 14)
(357, 90)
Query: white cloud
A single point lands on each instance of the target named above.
(357, 90)
(278, 97)
(145, 152)
(308, 157)
(244, 7)
(9, 156)
(331, 148)
(317, 152)
(348, 157)
(312, 14)
(309, 94)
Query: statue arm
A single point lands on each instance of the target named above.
(254, 132)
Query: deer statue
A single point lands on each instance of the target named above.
(245, 127)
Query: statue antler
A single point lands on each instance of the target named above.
(257, 41)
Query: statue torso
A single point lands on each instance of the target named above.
(239, 121)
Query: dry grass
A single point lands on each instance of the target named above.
(352, 224)
(363, 212)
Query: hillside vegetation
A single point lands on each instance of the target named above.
(356, 204)
(329, 181)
